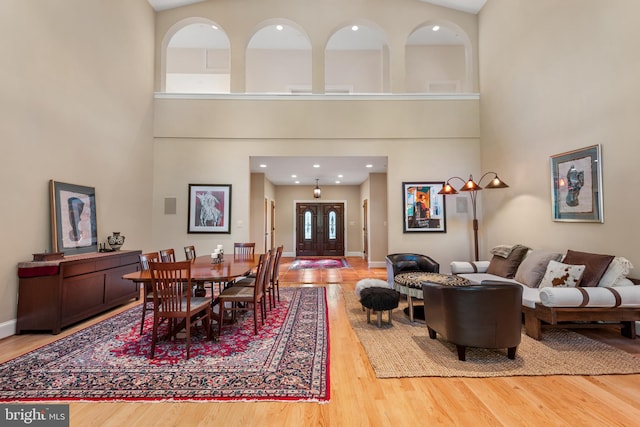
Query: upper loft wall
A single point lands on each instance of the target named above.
(239, 19)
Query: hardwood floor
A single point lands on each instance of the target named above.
(358, 398)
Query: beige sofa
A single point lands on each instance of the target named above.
(577, 288)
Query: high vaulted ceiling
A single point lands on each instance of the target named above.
(470, 6)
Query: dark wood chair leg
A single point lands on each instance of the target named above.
(462, 352)
(511, 352)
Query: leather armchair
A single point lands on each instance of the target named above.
(406, 262)
(486, 316)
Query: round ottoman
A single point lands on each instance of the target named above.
(370, 283)
(379, 300)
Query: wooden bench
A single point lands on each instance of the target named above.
(580, 317)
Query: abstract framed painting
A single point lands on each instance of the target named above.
(73, 218)
(209, 208)
(576, 185)
(424, 208)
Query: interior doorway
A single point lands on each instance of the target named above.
(319, 229)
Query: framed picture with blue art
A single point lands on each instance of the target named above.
(73, 218)
(576, 185)
(424, 209)
(209, 208)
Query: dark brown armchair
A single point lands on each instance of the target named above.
(486, 316)
(407, 262)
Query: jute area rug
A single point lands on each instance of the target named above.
(287, 361)
(404, 349)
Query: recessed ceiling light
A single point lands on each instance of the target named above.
(316, 166)
(369, 166)
(279, 27)
(340, 176)
(436, 27)
(297, 182)
(263, 165)
(294, 176)
(214, 27)
(337, 182)
(355, 28)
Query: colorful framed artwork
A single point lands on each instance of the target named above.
(424, 208)
(73, 218)
(576, 185)
(209, 208)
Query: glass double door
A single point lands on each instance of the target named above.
(319, 229)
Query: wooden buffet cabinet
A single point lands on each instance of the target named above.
(56, 294)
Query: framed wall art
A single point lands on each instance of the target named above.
(424, 208)
(73, 218)
(209, 208)
(576, 185)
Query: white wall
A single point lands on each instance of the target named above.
(558, 76)
(77, 107)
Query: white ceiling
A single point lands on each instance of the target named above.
(354, 170)
(470, 6)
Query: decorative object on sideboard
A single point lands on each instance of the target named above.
(116, 240)
(472, 188)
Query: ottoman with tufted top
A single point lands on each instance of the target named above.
(379, 299)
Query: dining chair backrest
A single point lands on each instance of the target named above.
(275, 273)
(261, 275)
(190, 252)
(167, 255)
(169, 279)
(145, 259)
(244, 248)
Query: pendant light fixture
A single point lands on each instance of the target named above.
(316, 191)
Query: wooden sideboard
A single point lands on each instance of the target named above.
(56, 294)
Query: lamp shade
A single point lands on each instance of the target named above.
(447, 189)
(496, 182)
(317, 192)
(470, 185)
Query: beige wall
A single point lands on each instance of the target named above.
(558, 76)
(77, 106)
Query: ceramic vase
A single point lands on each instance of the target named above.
(116, 240)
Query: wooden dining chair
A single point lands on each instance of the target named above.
(275, 276)
(167, 255)
(252, 280)
(246, 249)
(251, 297)
(172, 304)
(190, 252)
(147, 297)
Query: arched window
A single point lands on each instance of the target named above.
(197, 60)
(437, 60)
(332, 225)
(308, 225)
(278, 60)
(357, 61)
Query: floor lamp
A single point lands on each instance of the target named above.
(472, 188)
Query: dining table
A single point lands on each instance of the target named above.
(205, 269)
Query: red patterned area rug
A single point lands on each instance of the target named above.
(287, 361)
(300, 263)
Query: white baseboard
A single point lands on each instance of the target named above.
(8, 328)
(377, 264)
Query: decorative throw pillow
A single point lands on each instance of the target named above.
(618, 269)
(596, 265)
(533, 267)
(506, 267)
(562, 275)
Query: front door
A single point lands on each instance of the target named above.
(319, 229)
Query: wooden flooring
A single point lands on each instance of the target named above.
(358, 398)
